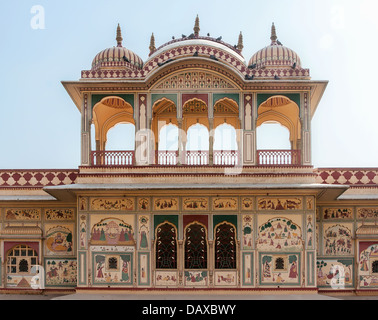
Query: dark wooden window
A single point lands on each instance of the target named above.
(195, 247)
(166, 246)
(225, 246)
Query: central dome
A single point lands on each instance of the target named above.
(275, 55)
(117, 57)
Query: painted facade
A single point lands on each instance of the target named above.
(151, 217)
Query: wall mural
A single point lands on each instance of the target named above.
(144, 232)
(113, 268)
(59, 239)
(335, 273)
(337, 213)
(225, 278)
(247, 234)
(368, 266)
(166, 204)
(338, 240)
(367, 213)
(83, 232)
(112, 204)
(143, 204)
(112, 231)
(310, 231)
(310, 203)
(225, 203)
(60, 272)
(247, 268)
(247, 204)
(166, 278)
(59, 214)
(195, 204)
(279, 204)
(144, 270)
(279, 234)
(22, 214)
(83, 203)
(280, 269)
(195, 278)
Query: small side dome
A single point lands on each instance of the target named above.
(275, 55)
(117, 57)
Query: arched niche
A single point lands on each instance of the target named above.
(284, 111)
(106, 114)
(226, 110)
(163, 112)
(197, 137)
(195, 111)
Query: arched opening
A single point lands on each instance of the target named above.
(164, 127)
(225, 246)
(195, 246)
(166, 246)
(167, 154)
(278, 132)
(225, 145)
(21, 266)
(113, 120)
(272, 135)
(121, 137)
(197, 145)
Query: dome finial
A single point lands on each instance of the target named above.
(196, 27)
(273, 36)
(119, 36)
(240, 42)
(152, 44)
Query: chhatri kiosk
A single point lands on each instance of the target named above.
(167, 213)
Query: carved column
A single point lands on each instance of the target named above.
(86, 119)
(211, 141)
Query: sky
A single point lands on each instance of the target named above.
(40, 125)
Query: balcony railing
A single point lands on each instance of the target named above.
(278, 157)
(197, 158)
(113, 158)
(166, 158)
(226, 157)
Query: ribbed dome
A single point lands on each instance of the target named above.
(275, 55)
(117, 57)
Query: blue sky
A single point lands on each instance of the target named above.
(40, 125)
